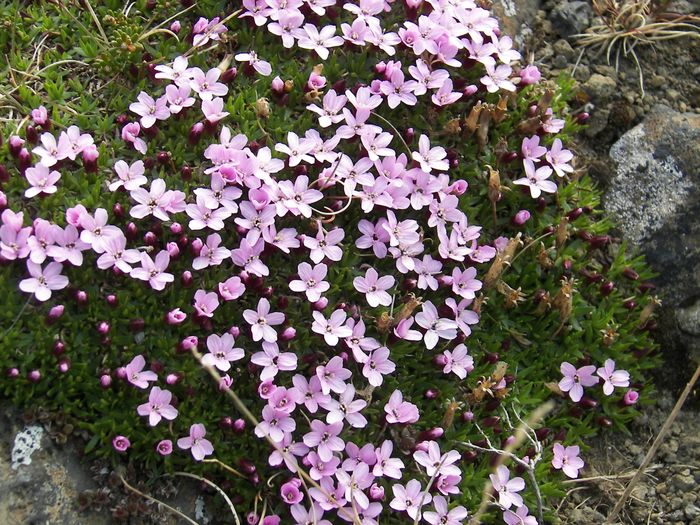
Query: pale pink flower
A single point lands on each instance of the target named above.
(458, 361)
(559, 158)
(613, 378)
(507, 488)
(498, 78)
(575, 379)
(178, 98)
(42, 181)
(130, 177)
(311, 281)
(154, 271)
(150, 110)
(436, 463)
(158, 406)
(443, 516)
(206, 85)
(445, 96)
(377, 365)
(130, 134)
(135, 374)
(519, 517)
(221, 352)
(311, 38)
(196, 443)
(211, 254)
(115, 254)
(205, 303)
(325, 244)
(232, 288)
(375, 287)
(410, 498)
(332, 376)
(536, 179)
(43, 280)
(262, 67)
(435, 326)
(567, 459)
(276, 424)
(400, 411)
(262, 320)
(332, 329)
(273, 361)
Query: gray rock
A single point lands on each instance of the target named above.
(682, 483)
(600, 88)
(597, 122)
(570, 18)
(515, 17)
(563, 48)
(689, 318)
(654, 196)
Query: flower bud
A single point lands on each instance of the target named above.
(229, 75)
(34, 376)
(520, 218)
(175, 27)
(63, 366)
(90, 155)
(4, 174)
(131, 231)
(320, 305)
(81, 297)
(195, 133)
(24, 159)
(604, 421)
(582, 117)
(103, 328)
(112, 300)
(121, 444)
(54, 313)
(173, 250)
(431, 393)
(630, 274)
(31, 134)
(470, 90)
(239, 426)
(59, 347)
(587, 402)
(187, 344)
(529, 75)
(186, 279)
(376, 492)
(288, 333)
(606, 288)
(574, 214)
(14, 144)
(630, 398)
(173, 378)
(277, 86)
(137, 325)
(176, 316)
(12, 372)
(467, 416)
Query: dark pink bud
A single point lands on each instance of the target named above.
(188, 343)
(574, 214)
(440, 360)
(470, 90)
(433, 434)
(175, 27)
(239, 426)
(320, 304)
(112, 300)
(226, 422)
(409, 134)
(131, 231)
(604, 421)
(186, 278)
(120, 373)
(150, 238)
(630, 274)
(24, 158)
(173, 249)
(582, 117)
(14, 144)
(229, 75)
(587, 402)
(34, 376)
(458, 187)
(520, 218)
(195, 133)
(606, 288)
(288, 333)
(81, 297)
(31, 134)
(118, 210)
(173, 378)
(90, 155)
(59, 347)
(63, 366)
(12, 372)
(137, 325)
(431, 393)
(176, 228)
(55, 313)
(491, 421)
(376, 492)
(4, 174)
(630, 304)
(277, 86)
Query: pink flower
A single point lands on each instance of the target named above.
(332, 376)
(130, 134)
(430, 158)
(507, 488)
(519, 517)
(630, 398)
(324, 245)
(43, 280)
(311, 392)
(214, 110)
(50, 152)
(153, 202)
(498, 78)
(199, 446)
(435, 326)
(262, 321)
(178, 98)
(290, 492)
(559, 158)
(41, 180)
(332, 329)
(164, 447)
(175, 316)
(436, 463)
(464, 283)
(376, 144)
(325, 439)
(445, 96)
(158, 406)
(311, 38)
(346, 408)
(386, 465)
(536, 180)
(398, 90)
(567, 459)
(130, 177)
(150, 110)
(531, 149)
(211, 253)
(68, 245)
(154, 271)
(40, 116)
(377, 366)
(613, 378)
(221, 352)
(96, 231)
(375, 287)
(458, 361)
(400, 411)
(529, 75)
(262, 67)
(297, 149)
(575, 379)
(121, 443)
(410, 498)
(443, 516)
(205, 303)
(231, 289)
(311, 281)
(275, 424)
(135, 374)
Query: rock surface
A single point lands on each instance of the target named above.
(654, 196)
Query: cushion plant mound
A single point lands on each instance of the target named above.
(334, 257)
